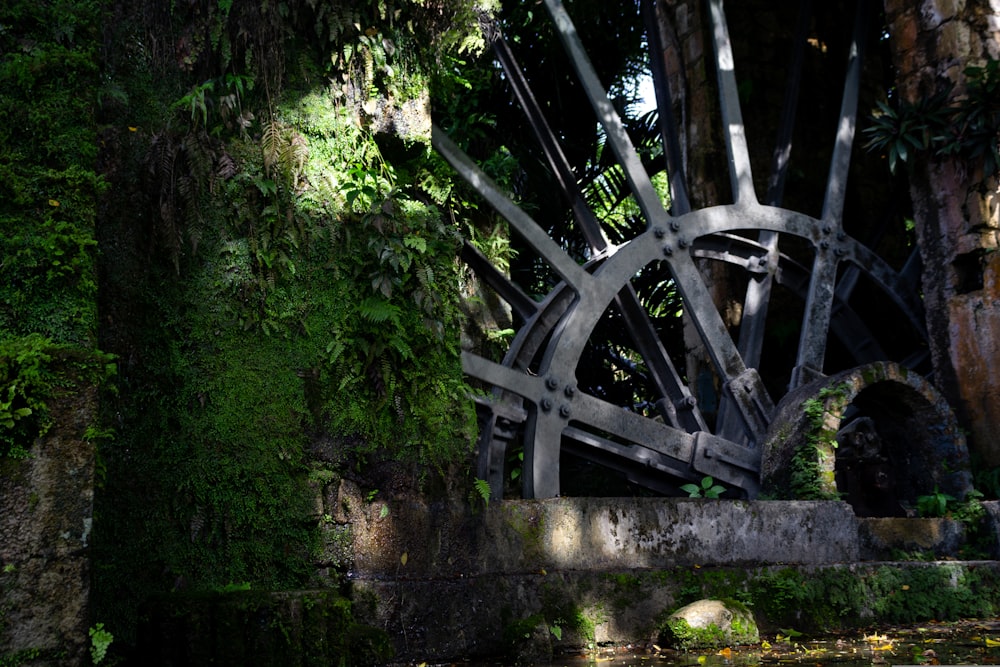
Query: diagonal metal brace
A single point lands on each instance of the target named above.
(727, 462)
(755, 408)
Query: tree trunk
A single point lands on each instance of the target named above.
(686, 35)
(956, 212)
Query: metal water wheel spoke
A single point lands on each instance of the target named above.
(591, 372)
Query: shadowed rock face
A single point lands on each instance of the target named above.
(46, 513)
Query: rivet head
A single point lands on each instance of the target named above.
(551, 382)
(687, 402)
(668, 251)
(682, 243)
(565, 411)
(659, 232)
(546, 404)
(674, 225)
(570, 391)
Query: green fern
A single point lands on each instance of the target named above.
(271, 145)
(377, 310)
(483, 488)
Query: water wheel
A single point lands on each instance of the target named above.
(590, 373)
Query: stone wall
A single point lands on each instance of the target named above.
(523, 580)
(447, 582)
(46, 513)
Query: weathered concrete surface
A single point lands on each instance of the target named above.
(597, 534)
(448, 583)
(937, 538)
(411, 540)
(46, 512)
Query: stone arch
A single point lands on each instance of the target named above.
(877, 436)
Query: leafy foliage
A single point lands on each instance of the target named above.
(707, 489)
(48, 185)
(811, 470)
(23, 412)
(944, 124)
(483, 489)
(33, 370)
(48, 203)
(100, 640)
(934, 504)
(288, 299)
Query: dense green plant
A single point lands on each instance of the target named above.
(294, 303)
(48, 182)
(966, 125)
(34, 370)
(934, 504)
(22, 657)
(23, 412)
(100, 640)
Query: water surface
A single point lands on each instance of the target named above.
(975, 642)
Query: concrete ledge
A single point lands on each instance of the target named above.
(935, 538)
(444, 582)
(597, 533)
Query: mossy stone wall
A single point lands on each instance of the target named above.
(46, 519)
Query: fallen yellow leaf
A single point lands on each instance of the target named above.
(992, 642)
(726, 652)
(766, 645)
(403, 558)
(53, 202)
(132, 129)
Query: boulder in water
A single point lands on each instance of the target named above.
(709, 624)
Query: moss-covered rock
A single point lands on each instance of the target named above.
(709, 624)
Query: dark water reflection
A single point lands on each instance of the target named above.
(962, 643)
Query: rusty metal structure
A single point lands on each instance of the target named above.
(666, 439)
